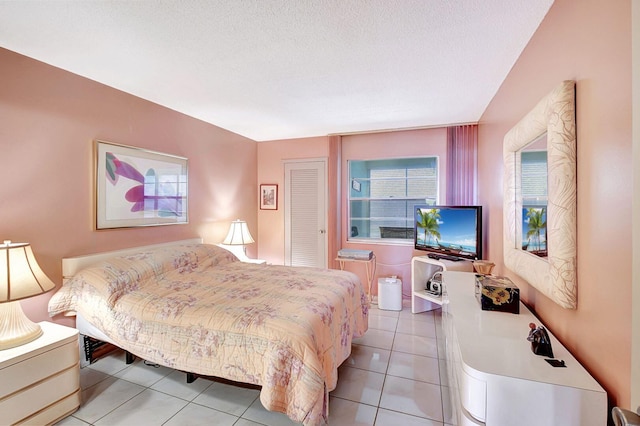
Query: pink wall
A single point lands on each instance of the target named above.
(48, 120)
(589, 42)
(271, 171)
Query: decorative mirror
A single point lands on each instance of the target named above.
(549, 267)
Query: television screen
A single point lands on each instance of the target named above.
(449, 232)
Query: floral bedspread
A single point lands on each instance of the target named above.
(196, 308)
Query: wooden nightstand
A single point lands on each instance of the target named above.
(40, 381)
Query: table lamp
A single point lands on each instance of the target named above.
(20, 278)
(239, 235)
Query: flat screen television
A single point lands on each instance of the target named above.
(449, 232)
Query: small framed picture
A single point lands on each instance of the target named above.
(355, 184)
(268, 197)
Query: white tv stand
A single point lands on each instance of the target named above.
(422, 269)
(494, 377)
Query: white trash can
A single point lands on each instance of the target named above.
(390, 294)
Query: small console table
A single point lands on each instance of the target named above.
(496, 380)
(370, 268)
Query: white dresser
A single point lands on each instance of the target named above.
(40, 381)
(494, 377)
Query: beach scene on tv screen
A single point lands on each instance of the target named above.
(452, 230)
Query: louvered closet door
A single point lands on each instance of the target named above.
(305, 213)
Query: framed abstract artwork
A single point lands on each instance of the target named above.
(136, 187)
(268, 197)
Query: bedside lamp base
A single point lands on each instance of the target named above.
(15, 328)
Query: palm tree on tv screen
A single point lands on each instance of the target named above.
(537, 223)
(428, 220)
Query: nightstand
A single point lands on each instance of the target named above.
(257, 261)
(40, 380)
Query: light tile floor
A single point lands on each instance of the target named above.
(396, 375)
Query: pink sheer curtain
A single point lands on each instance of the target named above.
(334, 236)
(462, 165)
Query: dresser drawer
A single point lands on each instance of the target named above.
(473, 396)
(20, 405)
(54, 412)
(37, 368)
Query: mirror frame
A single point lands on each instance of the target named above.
(554, 276)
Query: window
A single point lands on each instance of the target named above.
(383, 194)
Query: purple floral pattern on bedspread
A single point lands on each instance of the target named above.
(195, 309)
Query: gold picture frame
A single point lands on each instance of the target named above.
(268, 196)
(137, 187)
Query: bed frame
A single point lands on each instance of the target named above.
(72, 265)
(96, 343)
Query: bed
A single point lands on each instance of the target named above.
(196, 308)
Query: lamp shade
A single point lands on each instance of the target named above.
(238, 234)
(20, 274)
(20, 277)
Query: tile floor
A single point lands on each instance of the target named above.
(395, 375)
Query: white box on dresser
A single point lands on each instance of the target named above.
(40, 381)
(495, 378)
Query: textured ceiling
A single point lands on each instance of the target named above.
(278, 69)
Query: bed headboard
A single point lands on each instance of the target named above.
(71, 265)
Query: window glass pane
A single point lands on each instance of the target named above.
(383, 194)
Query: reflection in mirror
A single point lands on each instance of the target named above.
(533, 184)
